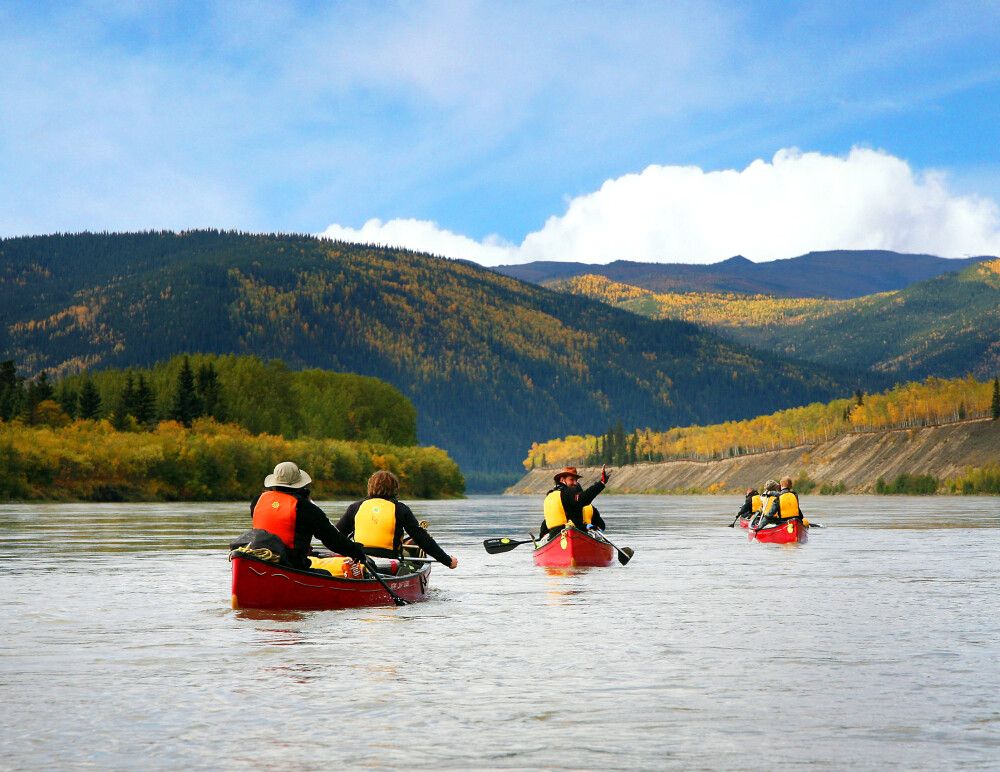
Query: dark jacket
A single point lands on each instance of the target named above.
(574, 498)
(747, 509)
(405, 521)
(311, 521)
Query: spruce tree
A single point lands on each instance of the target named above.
(89, 401)
(210, 392)
(186, 405)
(996, 399)
(68, 398)
(144, 403)
(126, 404)
(11, 391)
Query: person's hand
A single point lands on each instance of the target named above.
(358, 553)
(454, 562)
(605, 474)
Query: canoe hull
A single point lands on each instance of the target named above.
(571, 548)
(783, 533)
(258, 584)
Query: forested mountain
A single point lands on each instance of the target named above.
(836, 274)
(490, 363)
(946, 326)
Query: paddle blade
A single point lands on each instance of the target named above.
(625, 555)
(502, 544)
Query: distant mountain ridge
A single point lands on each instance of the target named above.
(490, 363)
(836, 274)
(945, 326)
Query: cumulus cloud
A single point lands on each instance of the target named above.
(795, 203)
(425, 236)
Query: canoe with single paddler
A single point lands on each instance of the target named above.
(573, 547)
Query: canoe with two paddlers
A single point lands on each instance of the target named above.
(260, 584)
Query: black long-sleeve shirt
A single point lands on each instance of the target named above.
(747, 509)
(312, 521)
(405, 521)
(574, 498)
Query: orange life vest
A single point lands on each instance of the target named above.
(275, 512)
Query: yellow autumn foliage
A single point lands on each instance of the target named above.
(933, 401)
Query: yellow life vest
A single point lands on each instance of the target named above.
(788, 504)
(555, 515)
(756, 503)
(375, 524)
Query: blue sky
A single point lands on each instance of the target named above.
(510, 131)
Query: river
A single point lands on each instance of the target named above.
(875, 645)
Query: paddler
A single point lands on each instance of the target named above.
(285, 510)
(771, 488)
(751, 504)
(378, 522)
(568, 502)
(784, 505)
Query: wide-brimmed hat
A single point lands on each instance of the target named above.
(288, 475)
(569, 470)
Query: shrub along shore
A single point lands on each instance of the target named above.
(90, 460)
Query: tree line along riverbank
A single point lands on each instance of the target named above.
(959, 457)
(207, 427)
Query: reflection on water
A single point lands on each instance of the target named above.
(876, 642)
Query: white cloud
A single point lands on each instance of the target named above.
(793, 204)
(425, 236)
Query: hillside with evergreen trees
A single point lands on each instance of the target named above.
(946, 326)
(489, 362)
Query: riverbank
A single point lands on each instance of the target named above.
(852, 463)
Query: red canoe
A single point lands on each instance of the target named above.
(573, 547)
(263, 585)
(744, 522)
(781, 533)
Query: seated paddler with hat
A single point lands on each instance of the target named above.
(568, 502)
(285, 510)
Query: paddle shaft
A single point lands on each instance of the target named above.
(624, 555)
(392, 594)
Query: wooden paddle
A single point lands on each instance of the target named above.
(374, 572)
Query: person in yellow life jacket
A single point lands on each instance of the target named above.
(770, 491)
(568, 502)
(285, 510)
(379, 521)
(784, 505)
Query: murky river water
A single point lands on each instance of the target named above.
(875, 645)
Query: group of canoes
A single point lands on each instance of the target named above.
(774, 515)
(381, 554)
